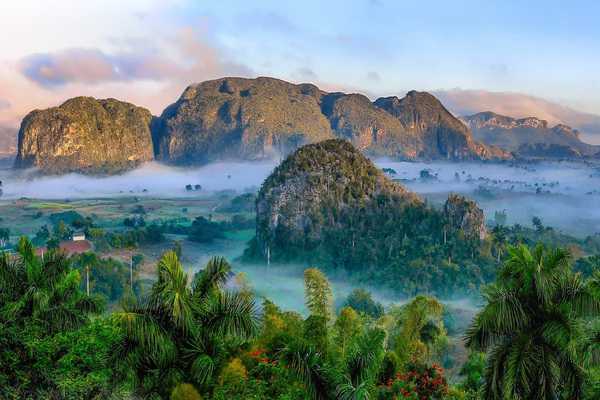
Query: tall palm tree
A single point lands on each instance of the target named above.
(177, 334)
(531, 327)
(38, 298)
(354, 379)
(46, 290)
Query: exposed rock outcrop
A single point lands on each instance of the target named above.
(235, 118)
(440, 134)
(308, 189)
(85, 135)
(463, 214)
(529, 137)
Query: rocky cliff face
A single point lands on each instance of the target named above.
(240, 119)
(235, 118)
(529, 137)
(257, 118)
(464, 214)
(85, 135)
(440, 134)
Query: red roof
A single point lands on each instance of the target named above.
(70, 247)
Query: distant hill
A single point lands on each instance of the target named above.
(529, 137)
(8, 140)
(519, 105)
(237, 118)
(240, 119)
(85, 135)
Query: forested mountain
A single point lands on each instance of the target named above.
(328, 204)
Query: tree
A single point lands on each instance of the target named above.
(348, 326)
(421, 330)
(40, 299)
(179, 332)
(537, 224)
(362, 301)
(318, 294)
(204, 230)
(4, 237)
(531, 326)
(500, 218)
(472, 372)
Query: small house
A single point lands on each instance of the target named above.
(78, 236)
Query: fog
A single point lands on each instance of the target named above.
(285, 286)
(566, 195)
(151, 179)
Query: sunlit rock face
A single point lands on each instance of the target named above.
(529, 137)
(438, 133)
(249, 119)
(244, 119)
(85, 135)
(464, 214)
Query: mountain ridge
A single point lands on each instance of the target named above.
(258, 117)
(234, 118)
(529, 136)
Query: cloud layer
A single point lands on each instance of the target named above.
(194, 59)
(92, 66)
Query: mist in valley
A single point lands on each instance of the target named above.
(151, 179)
(564, 195)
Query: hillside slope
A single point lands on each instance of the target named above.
(85, 135)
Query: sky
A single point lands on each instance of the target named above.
(148, 51)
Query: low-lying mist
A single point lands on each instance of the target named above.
(564, 195)
(151, 179)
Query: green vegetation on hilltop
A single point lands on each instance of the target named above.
(328, 205)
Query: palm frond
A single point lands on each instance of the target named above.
(213, 277)
(307, 365)
(229, 314)
(171, 292)
(143, 329)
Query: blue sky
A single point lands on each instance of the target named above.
(147, 51)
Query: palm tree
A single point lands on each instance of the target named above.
(45, 291)
(177, 334)
(354, 379)
(531, 327)
(38, 299)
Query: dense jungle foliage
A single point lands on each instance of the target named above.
(536, 336)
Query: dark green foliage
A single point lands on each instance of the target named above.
(531, 326)
(362, 301)
(588, 265)
(473, 372)
(108, 277)
(204, 230)
(68, 217)
(132, 238)
(4, 237)
(182, 333)
(40, 302)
